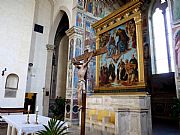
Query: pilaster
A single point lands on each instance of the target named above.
(140, 50)
(46, 91)
(75, 35)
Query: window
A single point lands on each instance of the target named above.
(11, 85)
(161, 38)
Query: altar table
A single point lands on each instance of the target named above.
(17, 123)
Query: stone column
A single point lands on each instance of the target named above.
(46, 91)
(75, 35)
(13, 131)
(9, 129)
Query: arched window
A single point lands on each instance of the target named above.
(160, 38)
(11, 86)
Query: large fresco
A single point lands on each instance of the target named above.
(101, 8)
(118, 63)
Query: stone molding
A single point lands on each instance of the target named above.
(74, 30)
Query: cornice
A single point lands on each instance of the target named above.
(74, 30)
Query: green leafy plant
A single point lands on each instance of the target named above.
(54, 127)
(59, 108)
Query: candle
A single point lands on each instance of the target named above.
(29, 108)
(36, 108)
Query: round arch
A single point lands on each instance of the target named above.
(58, 16)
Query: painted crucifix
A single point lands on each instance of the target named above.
(82, 69)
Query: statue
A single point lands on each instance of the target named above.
(82, 69)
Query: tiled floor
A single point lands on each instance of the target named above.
(159, 128)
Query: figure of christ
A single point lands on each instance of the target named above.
(82, 69)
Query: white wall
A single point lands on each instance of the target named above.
(17, 18)
(16, 22)
(38, 50)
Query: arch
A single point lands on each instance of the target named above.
(160, 9)
(58, 16)
(11, 85)
(62, 67)
(59, 69)
(66, 10)
(12, 81)
(152, 54)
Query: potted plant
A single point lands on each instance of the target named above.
(59, 108)
(54, 127)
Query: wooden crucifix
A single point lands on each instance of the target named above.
(82, 69)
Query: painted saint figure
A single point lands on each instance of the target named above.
(104, 77)
(82, 69)
(129, 72)
(121, 72)
(134, 65)
(112, 71)
(111, 47)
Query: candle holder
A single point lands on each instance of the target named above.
(36, 122)
(28, 118)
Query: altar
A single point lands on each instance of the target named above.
(17, 124)
(125, 113)
(120, 103)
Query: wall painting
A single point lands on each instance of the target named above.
(119, 65)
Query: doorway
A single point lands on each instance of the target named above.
(30, 99)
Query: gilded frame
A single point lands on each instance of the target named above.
(131, 11)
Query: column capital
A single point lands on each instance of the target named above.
(50, 47)
(138, 19)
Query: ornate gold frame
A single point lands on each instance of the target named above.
(131, 10)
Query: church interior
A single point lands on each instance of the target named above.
(131, 83)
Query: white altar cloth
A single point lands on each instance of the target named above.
(19, 123)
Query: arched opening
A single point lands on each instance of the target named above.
(163, 88)
(60, 56)
(11, 86)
